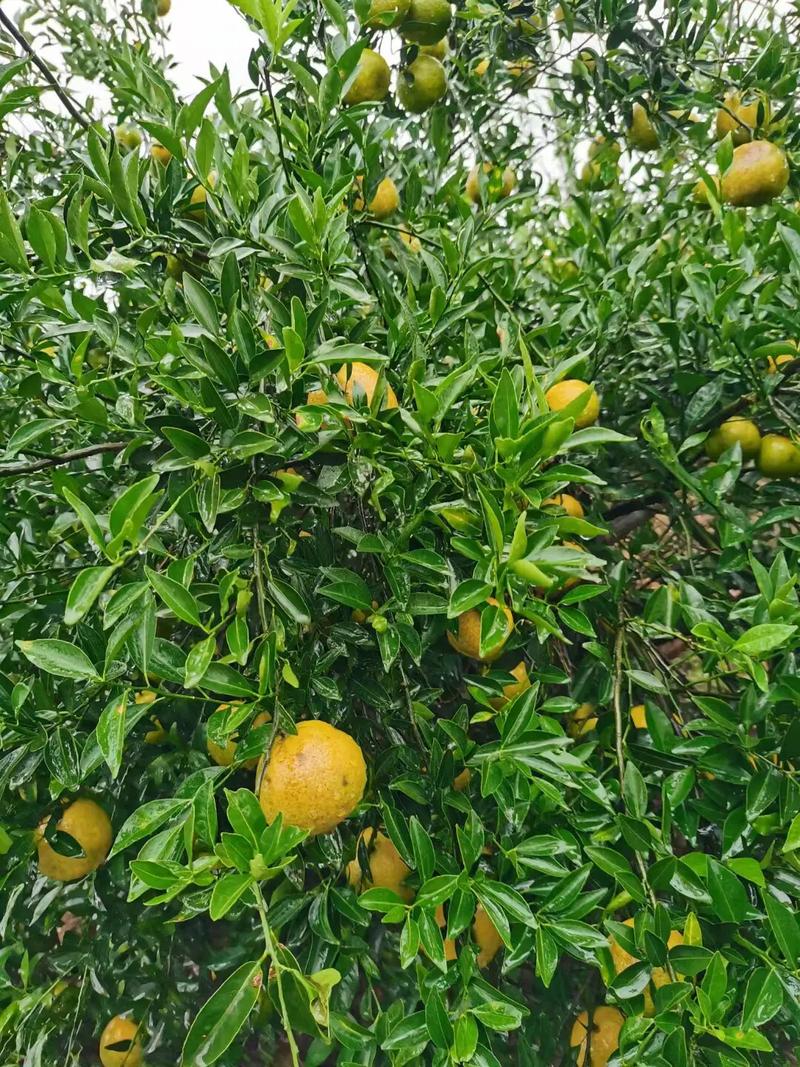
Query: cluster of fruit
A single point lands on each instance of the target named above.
(759, 169)
(776, 455)
(316, 777)
(421, 82)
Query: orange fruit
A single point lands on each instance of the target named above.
(659, 975)
(562, 394)
(758, 173)
(118, 1030)
(467, 640)
(513, 689)
(573, 507)
(314, 778)
(601, 1040)
(89, 825)
(387, 868)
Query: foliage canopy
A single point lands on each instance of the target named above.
(265, 452)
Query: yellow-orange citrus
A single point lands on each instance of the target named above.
(89, 825)
(513, 689)
(739, 119)
(570, 504)
(119, 1030)
(642, 134)
(758, 173)
(639, 716)
(224, 755)
(387, 868)
(314, 778)
(562, 394)
(504, 180)
(600, 1040)
(468, 638)
(731, 431)
(659, 975)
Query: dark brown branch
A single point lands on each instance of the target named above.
(42, 66)
(59, 461)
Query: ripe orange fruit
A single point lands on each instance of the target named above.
(461, 781)
(160, 154)
(362, 379)
(118, 1030)
(562, 394)
(513, 689)
(314, 778)
(739, 119)
(89, 825)
(570, 504)
(639, 716)
(387, 868)
(385, 201)
(468, 639)
(582, 720)
(600, 1040)
(659, 975)
(642, 134)
(505, 181)
(484, 934)
(224, 755)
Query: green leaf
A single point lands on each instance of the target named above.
(223, 1015)
(198, 660)
(793, 836)
(784, 926)
(760, 640)
(469, 594)
(60, 658)
(227, 891)
(290, 601)
(763, 998)
(30, 432)
(634, 790)
(110, 732)
(409, 1032)
(86, 515)
(728, 895)
(201, 303)
(437, 1020)
(188, 444)
(178, 599)
(12, 248)
(84, 591)
(146, 819)
(504, 411)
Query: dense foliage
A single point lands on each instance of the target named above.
(195, 548)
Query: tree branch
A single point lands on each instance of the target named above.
(45, 70)
(59, 461)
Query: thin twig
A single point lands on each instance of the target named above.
(277, 121)
(59, 461)
(42, 66)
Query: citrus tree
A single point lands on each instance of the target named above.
(401, 518)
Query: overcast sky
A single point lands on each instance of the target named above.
(203, 31)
